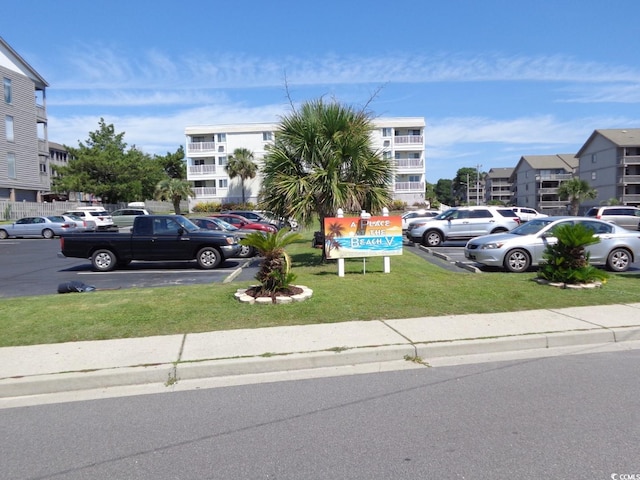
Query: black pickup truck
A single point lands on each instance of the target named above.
(152, 238)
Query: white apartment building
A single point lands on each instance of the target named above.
(208, 148)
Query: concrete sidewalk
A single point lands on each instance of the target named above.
(165, 360)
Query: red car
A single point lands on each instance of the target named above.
(241, 222)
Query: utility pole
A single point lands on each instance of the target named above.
(478, 184)
(468, 200)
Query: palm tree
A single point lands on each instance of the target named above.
(173, 190)
(275, 269)
(322, 160)
(241, 165)
(576, 190)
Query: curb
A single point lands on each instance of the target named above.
(170, 373)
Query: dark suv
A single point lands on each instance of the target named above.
(625, 217)
(462, 223)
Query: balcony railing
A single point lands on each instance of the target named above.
(408, 139)
(201, 147)
(201, 192)
(41, 113)
(42, 146)
(554, 176)
(629, 160)
(409, 163)
(553, 204)
(548, 191)
(199, 170)
(629, 179)
(409, 186)
(627, 199)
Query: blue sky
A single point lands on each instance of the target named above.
(494, 79)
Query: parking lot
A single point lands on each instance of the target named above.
(32, 267)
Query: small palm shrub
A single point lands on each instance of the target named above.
(568, 260)
(275, 273)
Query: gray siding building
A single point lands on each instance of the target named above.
(610, 163)
(24, 152)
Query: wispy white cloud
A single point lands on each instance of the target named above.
(106, 68)
(611, 93)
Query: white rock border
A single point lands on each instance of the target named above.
(241, 295)
(571, 286)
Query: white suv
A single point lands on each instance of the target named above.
(622, 215)
(462, 223)
(98, 215)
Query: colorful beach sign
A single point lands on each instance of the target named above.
(354, 237)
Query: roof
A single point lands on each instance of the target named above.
(568, 161)
(621, 137)
(21, 63)
(500, 172)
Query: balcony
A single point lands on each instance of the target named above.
(409, 163)
(41, 114)
(629, 160)
(43, 147)
(408, 139)
(554, 177)
(201, 170)
(409, 187)
(629, 179)
(203, 192)
(201, 147)
(553, 204)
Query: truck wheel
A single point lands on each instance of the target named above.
(246, 251)
(208, 258)
(103, 260)
(47, 233)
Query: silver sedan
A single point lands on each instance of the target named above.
(47, 227)
(523, 247)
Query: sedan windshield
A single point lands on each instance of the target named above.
(531, 227)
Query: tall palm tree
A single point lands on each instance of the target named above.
(173, 190)
(322, 160)
(576, 190)
(241, 165)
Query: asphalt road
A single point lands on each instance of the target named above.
(566, 417)
(32, 267)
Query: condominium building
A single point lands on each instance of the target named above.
(610, 162)
(24, 153)
(536, 179)
(208, 148)
(498, 185)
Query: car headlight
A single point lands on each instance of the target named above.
(492, 245)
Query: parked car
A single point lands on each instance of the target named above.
(522, 247)
(526, 213)
(125, 216)
(260, 217)
(416, 215)
(462, 223)
(81, 224)
(99, 215)
(626, 217)
(217, 224)
(242, 222)
(47, 227)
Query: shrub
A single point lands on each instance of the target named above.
(568, 260)
(206, 207)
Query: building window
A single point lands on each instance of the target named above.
(43, 168)
(397, 154)
(386, 155)
(222, 161)
(197, 139)
(11, 165)
(386, 132)
(267, 136)
(9, 128)
(593, 158)
(222, 183)
(414, 178)
(222, 137)
(7, 90)
(593, 175)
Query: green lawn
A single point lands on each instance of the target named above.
(413, 288)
